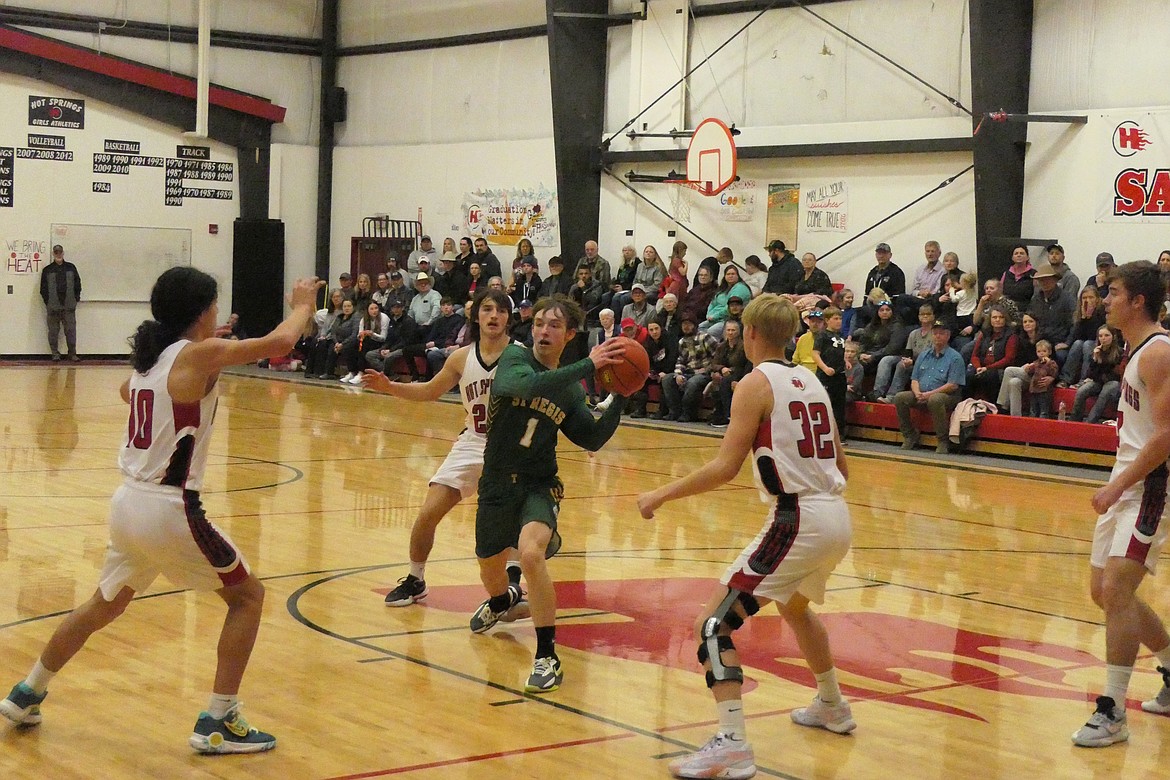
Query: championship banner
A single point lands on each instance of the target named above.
(826, 208)
(1134, 182)
(783, 214)
(505, 216)
(737, 203)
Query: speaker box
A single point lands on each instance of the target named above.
(336, 102)
(258, 275)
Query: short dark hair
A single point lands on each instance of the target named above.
(1141, 277)
(572, 312)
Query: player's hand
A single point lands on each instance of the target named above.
(1102, 499)
(304, 292)
(376, 380)
(607, 353)
(647, 503)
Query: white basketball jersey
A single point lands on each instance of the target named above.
(795, 451)
(475, 387)
(166, 442)
(1136, 423)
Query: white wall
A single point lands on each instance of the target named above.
(48, 192)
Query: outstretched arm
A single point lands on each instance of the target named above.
(448, 376)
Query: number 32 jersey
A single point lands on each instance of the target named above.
(795, 451)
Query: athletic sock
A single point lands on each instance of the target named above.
(500, 603)
(514, 572)
(219, 704)
(731, 723)
(546, 641)
(39, 678)
(418, 569)
(827, 688)
(1164, 657)
(1117, 683)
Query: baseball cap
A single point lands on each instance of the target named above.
(424, 238)
(777, 244)
(629, 322)
(525, 304)
(345, 276)
(882, 247)
(638, 286)
(688, 317)
(1045, 270)
(940, 325)
(394, 275)
(397, 303)
(529, 261)
(735, 299)
(58, 248)
(1105, 259)
(425, 259)
(814, 313)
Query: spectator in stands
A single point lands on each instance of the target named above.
(843, 300)
(663, 352)
(488, 262)
(587, 292)
(803, 354)
(1015, 379)
(466, 255)
(425, 250)
(442, 335)
(755, 274)
(448, 246)
(497, 283)
(523, 250)
(1100, 282)
(829, 355)
(475, 280)
(867, 312)
(345, 283)
(883, 337)
(735, 306)
(370, 335)
(315, 357)
(730, 365)
(854, 372)
(453, 282)
(886, 274)
(426, 305)
(699, 297)
(521, 329)
(711, 263)
(1104, 381)
(993, 296)
(812, 282)
(683, 390)
(893, 372)
(1082, 338)
(1066, 279)
(393, 267)
(438, 355)
(1016, 281)
(1163, 260)
(607, 328)
(1053, 310)
(668, 316)
(557, 282)
(397, 291)
(526, 283)
(716, 314)
(928, 283)
(676, 273)
(1042, 379)
(599, 268)
(363, 293)
(936, 384)
(344, 327)
(638, 309)
(993, 352)
(231, 330)
(401, 331)
(632, 330)
(950, 262)
(650, 273)
(381, 295)
(623, 279)
(784, 270)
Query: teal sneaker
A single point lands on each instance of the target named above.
(23, 707)
(229, 734)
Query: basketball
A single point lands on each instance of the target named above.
(628, 376)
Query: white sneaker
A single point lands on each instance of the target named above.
(720, 757)
(1160, 704)
(837, 718)
(1106, 726)
(345, 380)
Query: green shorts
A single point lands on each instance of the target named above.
(506, 506)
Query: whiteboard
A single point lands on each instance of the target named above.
(121, 263)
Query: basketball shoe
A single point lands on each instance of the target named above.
(720, 757)
(837, 718)
(521, 610)
(1160, 704)
(484, 618)
(229, 734)
(22, 707)
(1105, 726)
(546, 675)
(410, 589)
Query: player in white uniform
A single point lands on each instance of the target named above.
(781, 415)
(157, 523)
(473, 368)
(1130, 529)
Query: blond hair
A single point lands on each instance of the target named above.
(774, 318)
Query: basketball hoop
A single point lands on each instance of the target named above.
(711, 159)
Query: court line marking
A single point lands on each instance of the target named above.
(462, 627)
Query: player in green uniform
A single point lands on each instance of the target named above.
(519, 492)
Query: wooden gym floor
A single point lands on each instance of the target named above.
(960, 621)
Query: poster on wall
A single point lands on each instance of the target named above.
(504, 216)
(783, 214)
(1134, 183)
(737, 203)
(826, 207)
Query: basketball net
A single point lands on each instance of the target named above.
(682, 197)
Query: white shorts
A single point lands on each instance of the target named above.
(162, 530)
(795, 552)
(463, 465)
(1132, 528)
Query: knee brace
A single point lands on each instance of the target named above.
(712, 645)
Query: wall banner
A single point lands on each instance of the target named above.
(1134, 178)
(826, 207)
(737, 203)
(504, 216)
(783, 214)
